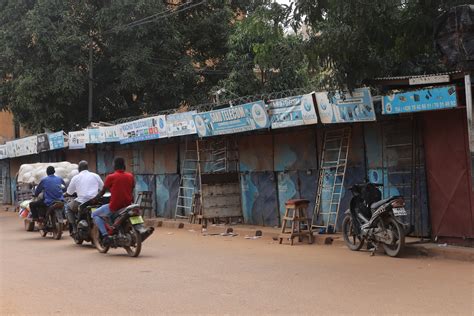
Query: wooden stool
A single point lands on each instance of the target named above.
(145, 200)
(296, 213)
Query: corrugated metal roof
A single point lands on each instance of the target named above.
(419, 76)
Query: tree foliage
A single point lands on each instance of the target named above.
(262, 57)
(351, 41)
(189, 50)
(44, 54)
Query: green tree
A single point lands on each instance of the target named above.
(351, 41)
(262, 57)
(140, 65)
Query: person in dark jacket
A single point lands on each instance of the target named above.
(52, 188)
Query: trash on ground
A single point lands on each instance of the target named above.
(170, 233)
(443, 245)
(229, 234)
(191, 230)
(252, 237)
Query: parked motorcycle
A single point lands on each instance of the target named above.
(373, 220)
(126, 229)
(53, 220)
(83, 219)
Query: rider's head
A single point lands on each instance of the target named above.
(119, 163)
(83, 165)
(50, 170)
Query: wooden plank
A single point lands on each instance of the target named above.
(221, 189)
(214, 212)
(221, 201)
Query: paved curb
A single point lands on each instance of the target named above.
(268, 233)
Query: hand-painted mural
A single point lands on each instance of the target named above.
(259, 198)
(295, 150)
(105, 159)
(166, 189)
(256, 153)
(145, 183)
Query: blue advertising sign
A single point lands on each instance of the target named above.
(110, 133)
(344, 108)
(56, 140)
(292, 111)
(179, 124)
(96, 136)
(143, 129)
(241, 118)
(420, 100)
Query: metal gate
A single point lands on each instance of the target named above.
(404, 170)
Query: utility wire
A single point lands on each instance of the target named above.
(156, 17)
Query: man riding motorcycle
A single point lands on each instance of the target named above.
(52, 188)
(121, 185)
(85, 185)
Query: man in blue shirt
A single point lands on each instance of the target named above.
(51, 185)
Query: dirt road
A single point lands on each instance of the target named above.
(182, 272)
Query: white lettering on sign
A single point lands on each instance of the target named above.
(228, 115)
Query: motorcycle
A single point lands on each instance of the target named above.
(83, 220)
(53, 220)
(373, 220)
(25, 213)
(126, 230)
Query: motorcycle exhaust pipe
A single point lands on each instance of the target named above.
(147, 233)
(144, 232)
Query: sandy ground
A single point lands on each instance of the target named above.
(182, 272)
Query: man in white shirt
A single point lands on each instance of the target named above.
(86, 185)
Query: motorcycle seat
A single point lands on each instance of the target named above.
(376, 205)
(56, 205)
(128, 208)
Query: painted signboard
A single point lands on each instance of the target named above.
(96, 136)
(42, 142)
(420, 100)
(56, 140)
(111, 134)
(78, 139)
(10, 149)
(23, 147)
(292, 111)
(3, 152)
(241, 118)
(143, 129)
(344, 108)
(179, 124)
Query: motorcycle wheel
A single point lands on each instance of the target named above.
(95, 236)
(44, 231)
(394, 249)
(29, 225)
(77, 240)
(57, 227)
(134, 251)
(352, 240)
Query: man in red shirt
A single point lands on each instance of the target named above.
(121, 185)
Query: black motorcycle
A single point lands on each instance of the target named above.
(52, 220)
(126, 229)
(83, 220)
(373, 220)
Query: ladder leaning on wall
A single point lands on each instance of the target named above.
(331, 178)
(189, 181)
